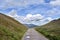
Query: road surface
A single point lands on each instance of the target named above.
(31, 34)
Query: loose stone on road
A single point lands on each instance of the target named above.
(31, 34)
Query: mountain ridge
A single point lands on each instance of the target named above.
(30, 25)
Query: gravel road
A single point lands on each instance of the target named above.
(32, 34)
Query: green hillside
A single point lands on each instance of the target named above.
(10, 29)
(51, 30)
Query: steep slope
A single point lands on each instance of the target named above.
(51, 30)
(10, 29)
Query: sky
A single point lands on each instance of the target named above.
(36, 12)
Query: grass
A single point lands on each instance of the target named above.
(10, 29)
(51, 30)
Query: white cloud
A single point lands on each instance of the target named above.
(36, 19)
(13, 13)
(53, 12)
(55, 3)
(49, 18)
(19, 3)
(42, 21)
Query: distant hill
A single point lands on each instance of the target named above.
(51, 30)
(30, 25)
(10, 29)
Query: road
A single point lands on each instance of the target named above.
(31, 34)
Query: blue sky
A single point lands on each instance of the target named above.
(47, 9)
